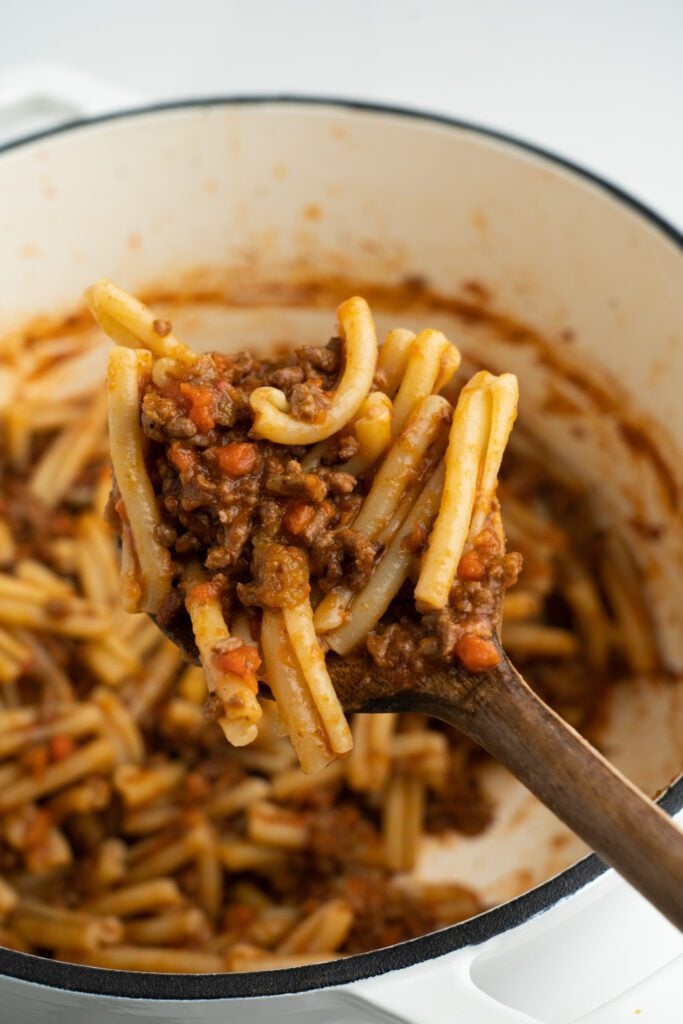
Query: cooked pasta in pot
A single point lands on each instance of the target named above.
(132, 836)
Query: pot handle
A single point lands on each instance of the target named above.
(37, 97)
(605, 954)
(443, 1000)
(438, 992)
(450, 995)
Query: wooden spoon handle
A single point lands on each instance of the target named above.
(569, 776)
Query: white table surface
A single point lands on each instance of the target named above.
(599, 81)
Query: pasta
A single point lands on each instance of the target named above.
(132, 836)
(372, 428)
(273, 419)
(384, 508)
(377, 595)
(481, 425)
(297, 708)
(142, 590)
(422, 374)
(131, 324)
(236, 693)
(227, 487)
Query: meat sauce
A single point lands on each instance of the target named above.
(251, 513)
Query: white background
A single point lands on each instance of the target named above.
(599, 81)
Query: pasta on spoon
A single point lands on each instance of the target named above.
(332, 500)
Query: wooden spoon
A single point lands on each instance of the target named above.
(501, 713)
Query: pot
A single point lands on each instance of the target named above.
(252, 199)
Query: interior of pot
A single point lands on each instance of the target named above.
(641, 720)
(244, 206)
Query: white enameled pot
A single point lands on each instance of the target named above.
(230, 193)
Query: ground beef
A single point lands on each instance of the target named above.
(170, 607)
(280, 577)
(233, 502)
(213, 707)
(392, 646)
(317, 519)
(164, 417)
(270, 518)
(384, 912)
(166, 534)
(228, 553)
(286, 377)
(336, 837)
(343, 556)
(326, 359)
(347, 447)
(460, 803)
(294, 483)
(337, 482)
(308, 401)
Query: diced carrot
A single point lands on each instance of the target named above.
(298, 516)
(242, 661)
(61, 747)
(201, 401)
(203, 592)
(236, 459)
(476, 653)
(471, 567)
(182, 458)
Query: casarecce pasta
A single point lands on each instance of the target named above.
(272, 479)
